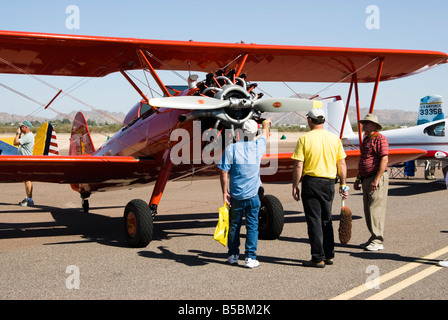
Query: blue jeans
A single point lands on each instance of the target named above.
(249, 208)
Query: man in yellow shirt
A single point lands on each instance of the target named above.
(319, 158)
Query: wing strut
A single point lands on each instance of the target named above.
(354, 83)
(153, 73)
(57, 94)
(377, 81)
(140, 92)
(358, 112)
(346, 108)
(240, 68)
(162, 179)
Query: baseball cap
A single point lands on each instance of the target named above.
(250, 126)
(315, 113)
(26, 123)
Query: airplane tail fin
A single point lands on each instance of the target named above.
(80, 140)
(335, 108)
(431, 109)
(45, 141)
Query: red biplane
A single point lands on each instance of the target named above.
(141, 151)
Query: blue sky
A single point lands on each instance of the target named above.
(411, 24)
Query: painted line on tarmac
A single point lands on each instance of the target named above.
(405, 283)
(395, 273)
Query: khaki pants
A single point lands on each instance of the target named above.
(375, 203)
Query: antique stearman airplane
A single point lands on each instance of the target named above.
(141, 151)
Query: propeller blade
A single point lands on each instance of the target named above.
(189, 103)
(286, 104)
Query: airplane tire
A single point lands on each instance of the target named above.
(138, 223)
(271, 218)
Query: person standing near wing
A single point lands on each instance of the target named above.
(374, 180)
(24, 140)
(240, 182)
(319, 158)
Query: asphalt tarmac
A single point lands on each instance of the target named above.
(55, 251)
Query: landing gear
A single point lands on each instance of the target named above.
(85, 205)
(138, 215)
(85, 202)
(138, 223)
(270, 218)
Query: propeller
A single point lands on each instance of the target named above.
(285, 104)
(189, 103)
(264, 105)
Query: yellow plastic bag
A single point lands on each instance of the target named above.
(222, 228)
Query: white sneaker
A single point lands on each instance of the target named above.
(375, 246)
(251, 263)
(26, 202)
(233, 259)
(444, 263)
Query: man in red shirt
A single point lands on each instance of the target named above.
(374, 179)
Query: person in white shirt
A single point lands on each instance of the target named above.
(24, 140)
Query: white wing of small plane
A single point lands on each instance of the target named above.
(430, 136)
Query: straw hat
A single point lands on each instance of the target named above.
(371, 118)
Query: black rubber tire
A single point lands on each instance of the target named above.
(138, 223)
(270, 218)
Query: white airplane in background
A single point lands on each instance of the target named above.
(429, 136)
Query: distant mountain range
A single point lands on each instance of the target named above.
(386, 117)
(100, 116)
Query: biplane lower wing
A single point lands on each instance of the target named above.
(77, 169)
(395, 156)
(126, 171)
(285, 163)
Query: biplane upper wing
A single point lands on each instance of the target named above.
(70, 55)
